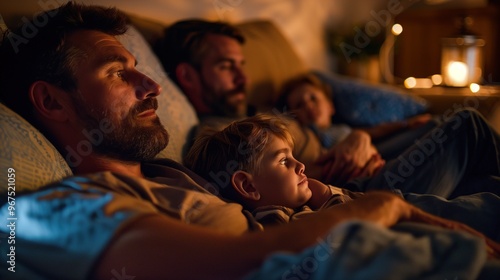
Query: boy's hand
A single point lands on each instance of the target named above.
(320, 193)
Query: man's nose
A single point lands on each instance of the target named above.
(146, 87)
(240, 76)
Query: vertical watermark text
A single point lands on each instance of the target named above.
(11, 219)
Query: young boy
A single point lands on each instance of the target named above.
(251, 162)
(311, 102)
(255, 157)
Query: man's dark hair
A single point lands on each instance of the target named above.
(184, 41)
(44, 55)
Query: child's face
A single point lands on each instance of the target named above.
(281, 180)
(311, 106)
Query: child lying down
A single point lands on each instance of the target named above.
(256, 155)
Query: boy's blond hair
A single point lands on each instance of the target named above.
(217, 155)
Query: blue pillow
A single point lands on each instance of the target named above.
(359, 103)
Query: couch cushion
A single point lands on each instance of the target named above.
(174, 110)
(270, 61)
(34, 160)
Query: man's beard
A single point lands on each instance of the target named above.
(126, 140)
(220, 102)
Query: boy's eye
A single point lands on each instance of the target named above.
(283, 161)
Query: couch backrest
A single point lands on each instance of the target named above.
(270, 61)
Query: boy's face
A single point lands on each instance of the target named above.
(311, 106)
(281, 179)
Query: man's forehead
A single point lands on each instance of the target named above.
(224, 45)
(98, 44)
(93, 39)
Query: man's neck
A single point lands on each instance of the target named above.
(95, 163)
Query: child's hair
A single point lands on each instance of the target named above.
(302, 79)
(217, 155)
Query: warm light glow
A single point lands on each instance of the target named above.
(397, 29)
(437, 79)
(474, 87)
(410, 82)
(457, 73)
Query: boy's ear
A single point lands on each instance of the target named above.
(49, 100)
(242, 183)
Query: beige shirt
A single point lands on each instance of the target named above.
(173, 191)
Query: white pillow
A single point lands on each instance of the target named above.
(175, 111)
(35, 162)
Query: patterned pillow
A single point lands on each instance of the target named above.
(27, 154)
(361, 104)
(174, 110)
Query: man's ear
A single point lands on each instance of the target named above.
(48, 100)
(187, 76)
(243, 184)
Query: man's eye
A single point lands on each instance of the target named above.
(120, 74)
(225, 66)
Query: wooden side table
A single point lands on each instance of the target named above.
(446, 100)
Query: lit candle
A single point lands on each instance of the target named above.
(457, 74)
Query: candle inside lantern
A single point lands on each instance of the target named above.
(462, 57)
(457, 73)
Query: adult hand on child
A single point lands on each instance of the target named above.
(353, 157)
(418, 215)
(388, 209)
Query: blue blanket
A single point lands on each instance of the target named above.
(361, 250)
